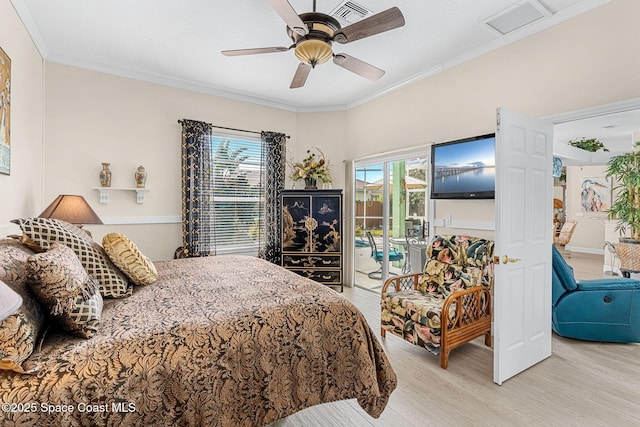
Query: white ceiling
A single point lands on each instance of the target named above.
(614, 130)
(178, 43)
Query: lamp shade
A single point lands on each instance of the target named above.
(9, 301)
(72, 209)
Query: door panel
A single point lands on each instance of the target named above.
(522, 292)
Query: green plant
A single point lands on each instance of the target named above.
(625, 169)
(592, 144)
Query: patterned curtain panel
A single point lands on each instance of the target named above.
(274, 156)
(197, 189)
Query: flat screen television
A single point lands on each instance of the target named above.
(464, 169)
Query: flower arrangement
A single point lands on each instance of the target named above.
(312, 167)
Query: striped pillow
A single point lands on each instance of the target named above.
(44, 232)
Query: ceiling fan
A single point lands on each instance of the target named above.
(313, 33)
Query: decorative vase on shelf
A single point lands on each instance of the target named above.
(141, 177)
(310, 183)
(105, 175)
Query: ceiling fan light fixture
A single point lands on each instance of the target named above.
(313, 52)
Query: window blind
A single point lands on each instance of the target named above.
(238, 202)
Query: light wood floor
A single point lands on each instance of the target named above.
(581, 384)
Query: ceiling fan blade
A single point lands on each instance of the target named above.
(357, 66)
(300, 78)
(239, 52)
(376, 24)
(289, 16)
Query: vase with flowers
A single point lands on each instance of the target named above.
(311, 169)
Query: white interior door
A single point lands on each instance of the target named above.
(523, 238)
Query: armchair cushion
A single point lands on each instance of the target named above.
(415, 317)
(456, 263)
(440, 279)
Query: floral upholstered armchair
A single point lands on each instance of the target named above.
(454, 289)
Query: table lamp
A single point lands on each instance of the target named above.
(72, 209)
(10, 301)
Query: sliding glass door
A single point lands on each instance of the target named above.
(391, 203)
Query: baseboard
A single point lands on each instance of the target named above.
(578, 249)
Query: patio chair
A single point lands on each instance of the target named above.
(378, 257)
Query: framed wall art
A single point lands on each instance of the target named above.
(5, 113)
(595, 195)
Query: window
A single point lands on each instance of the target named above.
(238, 205)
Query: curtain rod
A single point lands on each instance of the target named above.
(234, 129)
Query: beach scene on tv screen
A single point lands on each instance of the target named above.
(467, 167)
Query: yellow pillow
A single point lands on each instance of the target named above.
(128, 258)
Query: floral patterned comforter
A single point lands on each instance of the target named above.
(220, 341)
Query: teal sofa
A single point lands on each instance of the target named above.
(606, 310)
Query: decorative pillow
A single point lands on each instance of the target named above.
(60, 282)
(19, 332)
(26, 241)
(128, 258)
(45, 231)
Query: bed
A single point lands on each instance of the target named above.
(224, 341)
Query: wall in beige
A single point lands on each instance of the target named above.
(94, 117)
(21, 191)
(561, 69)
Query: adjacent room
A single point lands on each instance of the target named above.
(319, 212)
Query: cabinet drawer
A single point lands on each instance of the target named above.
(310, 261)
(321, 276)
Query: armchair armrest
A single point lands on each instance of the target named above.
(607, 284)
(466, 314)
(401, 283)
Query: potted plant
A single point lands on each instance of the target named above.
(625, 169)
(591, 144)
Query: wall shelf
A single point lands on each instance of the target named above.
(104, 193)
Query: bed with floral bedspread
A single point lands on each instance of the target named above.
(220, 341)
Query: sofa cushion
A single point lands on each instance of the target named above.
(61, 284)
(45, 231)
(128, 258)
(20, 331)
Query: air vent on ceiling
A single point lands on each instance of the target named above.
(349, 12)
(517, 16)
